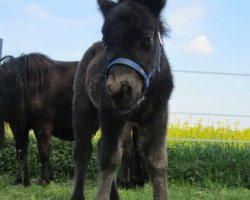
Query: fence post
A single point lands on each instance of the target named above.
(1, 47)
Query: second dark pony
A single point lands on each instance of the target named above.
(36, 93)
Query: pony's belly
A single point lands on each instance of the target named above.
(63, 132)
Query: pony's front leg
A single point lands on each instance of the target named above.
(157, 167)
(85, 124)
(109, 157)
(151, 141)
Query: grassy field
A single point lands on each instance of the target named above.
(196, 170)
(177, 191)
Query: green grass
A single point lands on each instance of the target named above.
(193, 162)
(177, 191)
(196, 170)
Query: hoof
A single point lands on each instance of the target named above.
(126, 185)
(130, 184)
(26, 183)
(122, 183)
(77, 197)
(41, 181)
(137, 183)
(18, 181)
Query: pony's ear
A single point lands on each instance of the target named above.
(155, 5)
(105, 6)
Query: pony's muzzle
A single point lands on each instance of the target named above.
(123, 88)
(114, 91)
(121, 95)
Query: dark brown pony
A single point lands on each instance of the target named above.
(36, 93)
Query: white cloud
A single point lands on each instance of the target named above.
(200, 45)
(186, 21)
(37, 11)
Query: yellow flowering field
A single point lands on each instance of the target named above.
(197, 130)
(222, 131)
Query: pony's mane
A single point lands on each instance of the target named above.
(5, 59)
(19, 75)
(32, 69)
(37, 68)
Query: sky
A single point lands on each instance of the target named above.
(204, 36)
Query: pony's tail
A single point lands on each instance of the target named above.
(2, 133)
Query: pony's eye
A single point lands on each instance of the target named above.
(147, 41)
(104, 44)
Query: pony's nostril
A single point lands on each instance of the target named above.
(126, 91)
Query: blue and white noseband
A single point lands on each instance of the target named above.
(146, 76)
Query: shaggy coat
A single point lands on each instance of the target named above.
(117, 98)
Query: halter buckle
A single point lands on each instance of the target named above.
(160, 38)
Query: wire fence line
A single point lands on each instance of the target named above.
(208, 140)
(212, 73)
(211, 114)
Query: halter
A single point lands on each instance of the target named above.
(146, 76)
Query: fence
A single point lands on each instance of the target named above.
(216, 74)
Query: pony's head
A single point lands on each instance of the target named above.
(132, 37)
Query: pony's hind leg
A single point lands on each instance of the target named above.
(132, 172)
(123, 177)
(22, 141)
(43, 135)
(138, 173)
